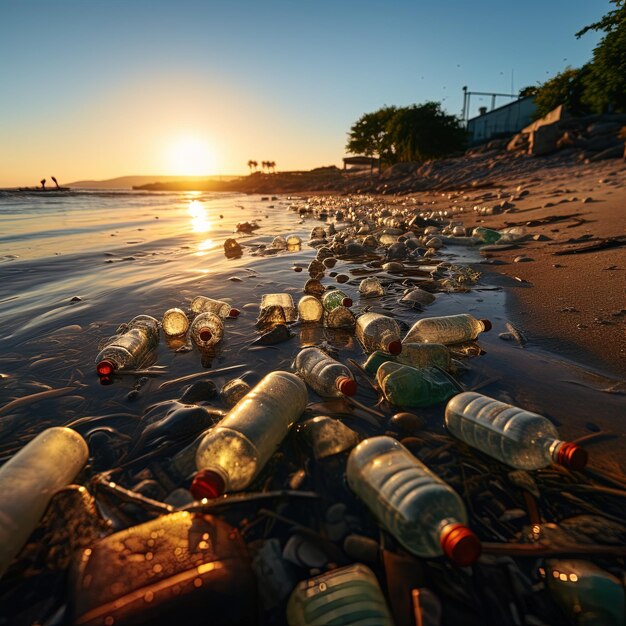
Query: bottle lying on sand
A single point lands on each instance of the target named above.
(371, 288)
(29, 480)
(408, 386)
(378, 332)
(415, 354)
(175, 322)
(335, 298)
(203, 304)
(348, 595)
(516, 437)
(327, 377)
(282, 300)
(310, 309)
(207, 329)
(127, 350)
(486, 235)
(420, 510)
(446, 329)
(232, 453)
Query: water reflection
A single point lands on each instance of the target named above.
(199, 217)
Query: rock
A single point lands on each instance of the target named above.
(407, 422)
(199, 391)
(278, 334)
(522, 259)
(232, 249)
(342, 278)
(543, 140)
(610, 153)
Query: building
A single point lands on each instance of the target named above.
(501, 122)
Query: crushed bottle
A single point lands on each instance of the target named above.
(282, 300)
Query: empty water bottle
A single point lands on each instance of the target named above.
(29, 480)
(408, 386)
(233, 452)
(334, 298)
(207, 329)
(327, 377)
(420, 510)
(486, 235)
(349, 595)
(512, 435)
(204, 304)
(446, 329)
(371, 288)
(378, 332)
(310, 309)
(129, 349)
(282, 300)
(415, 354)
(175, 322)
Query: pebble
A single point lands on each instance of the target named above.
(76, 299)
(278, 334)
(235, 279)
(521, 259)
(330, 262)
(407, 422)
(296, 268)
(342, 278)
(361, 548)
(199, 391)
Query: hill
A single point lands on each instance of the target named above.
(128, 182)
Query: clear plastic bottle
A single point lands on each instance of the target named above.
(378, 332)
(232, 453)
(283, 300)
(371, 288)
(420, 510)
(327, 377)
(349, 595)
(340, 317)
(207, 329)
(204, 304)
(310, 309)
(446, 329)
(516, 437)
(29, 480)
(175, 322)
(425, 355)
(334, 298)
(127, 350)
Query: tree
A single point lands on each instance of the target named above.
(251, 164)
(566, 88)
(272, 164)
(369, 134)
(531, 90)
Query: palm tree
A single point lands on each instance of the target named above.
(272, 164)
(255, 164)
(263, 165)
(250, 165)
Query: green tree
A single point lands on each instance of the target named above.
(566, 88)
(424, 131)
(369, 135)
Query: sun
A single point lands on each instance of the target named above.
(191, 156)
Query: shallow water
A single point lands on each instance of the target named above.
(126, 253)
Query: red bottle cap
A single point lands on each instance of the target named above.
(572, 456)
(234, 313)
(105, 368)
(487, 324)
(394, 347)
(205, 334)
(207, 484)
(346, 302)
(346, 385)
(460, 544)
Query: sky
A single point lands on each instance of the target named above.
(104, 88)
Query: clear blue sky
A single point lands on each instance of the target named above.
(96, 89)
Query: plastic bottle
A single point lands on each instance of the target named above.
(327, 377)
(175, 322)
(340, 317)
(486, 235)
(446, 329)
(334, 298)
(420, 510)
(233, 391)
(127, 350)
(516, 437)
(425, 355)
(349, 595)
(408, 386)
(203, 304)
(378, 332)
(232, 453)
(371, 288)
(310, 309)
(29, 480)
(207, 329)
(283, 300)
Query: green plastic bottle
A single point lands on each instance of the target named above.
(486, 235)
(408, 386)
(375, 360)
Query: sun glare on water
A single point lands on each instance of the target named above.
(191, 156)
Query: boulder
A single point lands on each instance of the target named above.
(543, 140)
(610, 153)
(518, 142)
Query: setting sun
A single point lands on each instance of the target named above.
(191, 156)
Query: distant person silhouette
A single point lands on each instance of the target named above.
(55, 181)
(43, 183)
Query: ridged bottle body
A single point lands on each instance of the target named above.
(512, 435)
(175, 322)
(376, 332)
(310, 309)
(283, 300)
(29, 480)
(321, 372)
(340, 317)
(425, 355)
(348, 596)
(371, 288)
(240, 445)
(445, 330)
(204, 304)
(207, 329)
(128, 350)
(408, 386)
(334, 298)
(411, 502)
